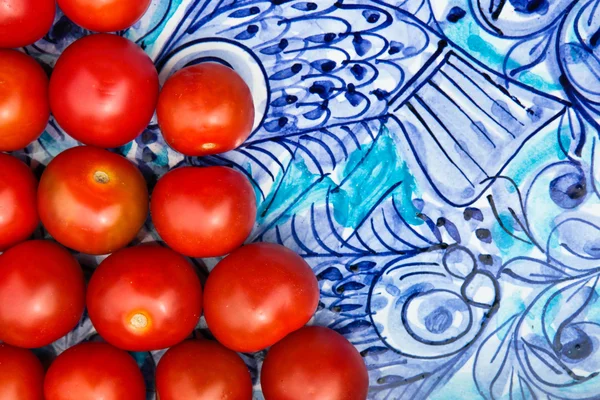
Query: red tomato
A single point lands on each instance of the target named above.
(42, 293)
(21, 374)
(106, 15)
(24, 106)
(314, 363)
(144, 298)
(18, 204)
(92, 200)
(257, 295)
(202, 370)
(92, 371)
(23, 22)
(205, 109)
(203, 212)
(103, 90)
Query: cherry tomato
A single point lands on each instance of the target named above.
(257, 295)
(202, 370)
(103, 90)
(106, 15)
(21, 374)
(314, 363)
(144, 298)
(92, 371)
(205, 109)
(203, 212)
(42, 293)
(24, 105)
(18, 204)
(23, 22)
(92, 200)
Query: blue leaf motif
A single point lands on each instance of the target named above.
(532, 271)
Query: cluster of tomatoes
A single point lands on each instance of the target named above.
(103, 92)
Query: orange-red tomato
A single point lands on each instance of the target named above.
(144, 298)
(92, 371)
(203, 212)
(103, 90)
(21, 374)
(202, 370)
(105, 15)
(18, 204)
(42, 293)
(23, 22)
(314, 363)
(24, 104)
(205, 109)
(257, 295)
(92, 200)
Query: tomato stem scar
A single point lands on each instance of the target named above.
(101, 177)
(139, 321)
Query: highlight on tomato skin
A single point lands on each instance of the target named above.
(92, 200)
(144, 298)
(203, 211)
(205, 109)
(27, 22)
(21, 374)
(103, 90)
(314, 363)
(202, 369)
(257, 295)
(18, 204)
(24, 103)
(42, 293)
(91, 371)
(106, 15)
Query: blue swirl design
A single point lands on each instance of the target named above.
(434, 161)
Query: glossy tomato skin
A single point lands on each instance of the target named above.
(314, 363)
(23, 22)
(42, 293)
(106, 15)
(18, 204)
(24, 104)
(203, 212)
(91, 371)
(92, 200)
(202, 370)
(144, 298)
(257, 295)
(103, 90)
(21, 374)
(205, 109)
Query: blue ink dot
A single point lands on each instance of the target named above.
(484, 235)
(358, 71)
(328, 66)
(380, 94)
(252, 28)
(393, 290)
(569, 190)
(370, 16)
(290, 99)
(329, 37)
(296, 68)
(282, 121)
(439, 320)
(576, 344)
(530, 6)
(455, 14)
(283, 43)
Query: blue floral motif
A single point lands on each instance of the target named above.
(435, 162)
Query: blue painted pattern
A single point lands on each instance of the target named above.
(433, 160)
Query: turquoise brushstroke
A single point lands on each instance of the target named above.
(366, 176)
